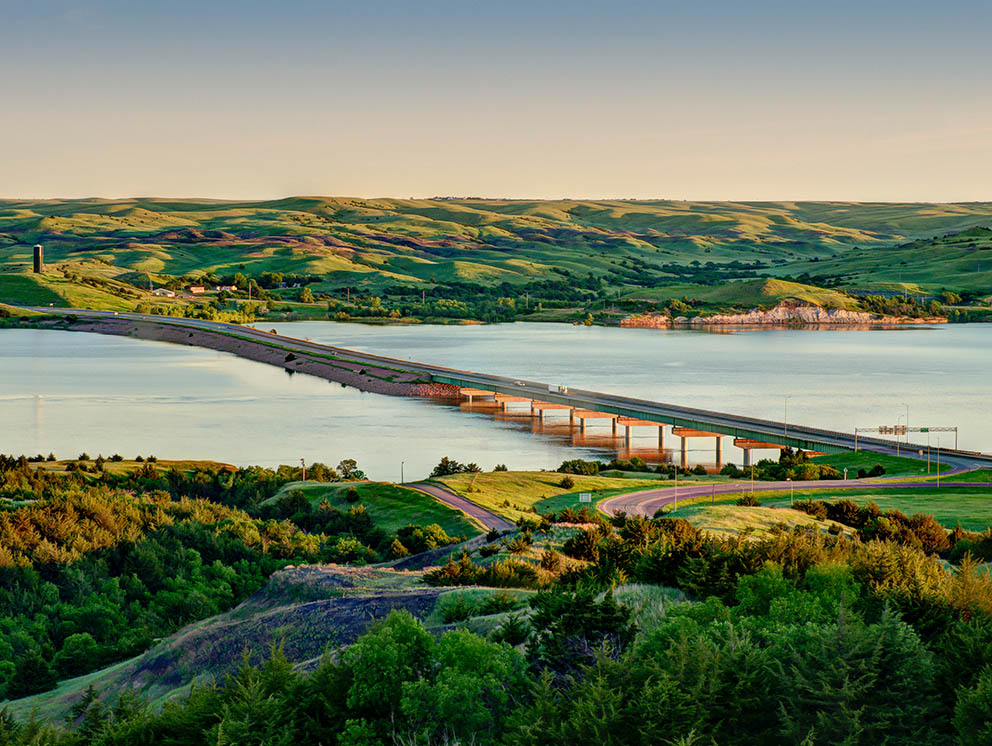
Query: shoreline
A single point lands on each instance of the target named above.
(360, 375)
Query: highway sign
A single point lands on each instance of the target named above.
(585, 497)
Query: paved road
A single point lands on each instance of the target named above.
(453, 500)
(594, 400)
(648, 502)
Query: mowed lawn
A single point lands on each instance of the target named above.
(391, 507)
(514, 493)
(969, 506)
(895, 466)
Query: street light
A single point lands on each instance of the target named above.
(792, 490)
(898, 420)
(907, 421)
(402, 480)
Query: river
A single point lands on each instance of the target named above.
(69, 392)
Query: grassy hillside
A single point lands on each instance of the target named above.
(750, 293)
(359, 241)
(390, 506)
(956, 261)
(513, 493)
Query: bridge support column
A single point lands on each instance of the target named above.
(614, 423)
(719, 451)
(661, 438)
(571, 417)
(582, 424)
(684, 449)
(747, 457)
(626, 435)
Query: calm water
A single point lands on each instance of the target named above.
(66, 392)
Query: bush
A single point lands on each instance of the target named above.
(566, 483)
(488, 550)
(493, 535)
(748, 500)
(500, 467)
(578, 466)
(351, 495)
(513, 631)
(699, 470)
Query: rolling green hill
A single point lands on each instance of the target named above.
(371, 245)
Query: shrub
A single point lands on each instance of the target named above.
(578, 466)
(488, 550)
(513, 631)
(699, 470)
(351, 495)
(748, 500)
(493, 535)
(550, 560)
(500, 467)
(566, 483)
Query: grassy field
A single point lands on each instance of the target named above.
(390, 506)
(653, 247)
(728, 519)
(971, 506)
(750, 293)
(513, 493)
(895, 466)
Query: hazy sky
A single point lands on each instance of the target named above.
(687, 100)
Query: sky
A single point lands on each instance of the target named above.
(699, 99)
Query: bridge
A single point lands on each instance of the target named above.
(582, 404)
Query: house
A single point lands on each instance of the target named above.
(163, 293)
(228, 288)
(197, 289)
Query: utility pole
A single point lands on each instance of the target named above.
(402, 480)
(304, 464)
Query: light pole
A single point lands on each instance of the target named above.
(792, 491)
(303, 463)
(752, 478)
(785, 421)
(676, 489)
(938, 461)
(898, 420)
(402, 480)
(907, 421)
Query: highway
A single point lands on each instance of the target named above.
(795, 435)
(648, 502)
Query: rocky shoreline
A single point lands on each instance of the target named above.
(784, 314)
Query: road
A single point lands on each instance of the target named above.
(453, 500)
(794, 434)
(648, 502)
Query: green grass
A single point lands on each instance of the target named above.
(372, 243)
(391, 507)
(895, 466)
(513, 493)
(728, 519)
(749, 293)
(971, 506)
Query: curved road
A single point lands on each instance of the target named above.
(580, 398)
(453, 500)
(648, 502)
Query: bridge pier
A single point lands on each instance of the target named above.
(613, 423)
(719, 450)
(626, 433)
(661, 437)
(685, 442)
(747, 457)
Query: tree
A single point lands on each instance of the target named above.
(306, 296)
(32, 675)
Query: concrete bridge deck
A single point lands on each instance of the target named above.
(744, 428)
